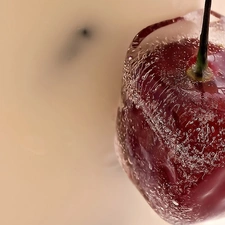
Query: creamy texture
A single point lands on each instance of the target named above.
(57, 109)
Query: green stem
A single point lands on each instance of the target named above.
(202, 62)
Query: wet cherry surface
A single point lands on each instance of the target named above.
(171, 131)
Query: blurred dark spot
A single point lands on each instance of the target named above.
(76, 43)
(86, 33)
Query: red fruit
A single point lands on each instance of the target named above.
(171, 126)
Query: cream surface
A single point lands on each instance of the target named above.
(61, 67)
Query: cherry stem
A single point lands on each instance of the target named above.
(202, 62)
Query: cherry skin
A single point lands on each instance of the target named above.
(171, 129)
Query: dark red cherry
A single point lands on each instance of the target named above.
(171, 121)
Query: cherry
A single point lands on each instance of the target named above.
(171, 122)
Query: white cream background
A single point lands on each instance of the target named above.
(57, 117)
